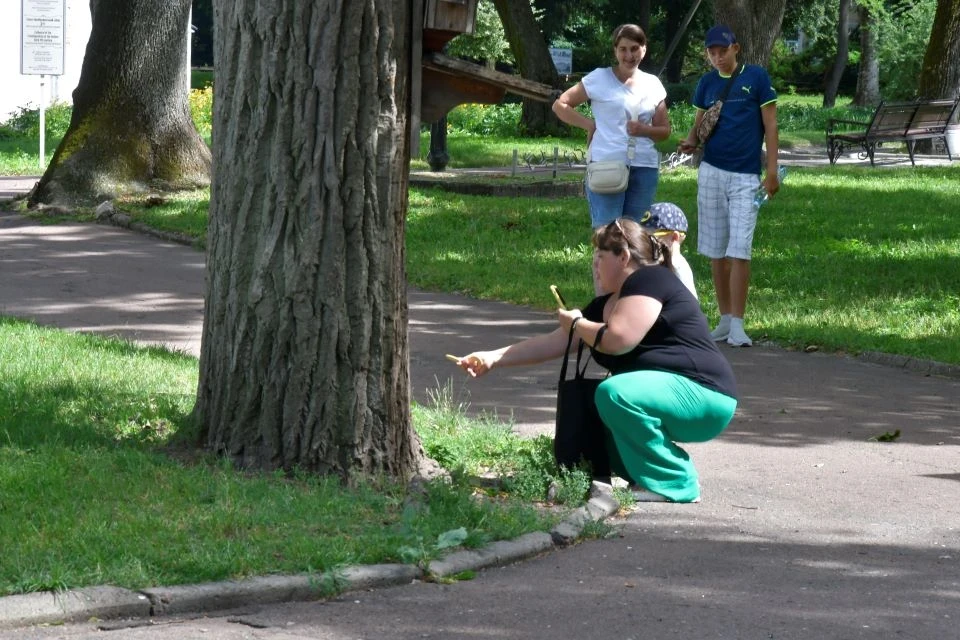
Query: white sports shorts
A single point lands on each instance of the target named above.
(726, 218)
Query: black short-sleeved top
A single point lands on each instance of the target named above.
(678, 342)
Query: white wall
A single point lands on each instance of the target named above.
(18, 90)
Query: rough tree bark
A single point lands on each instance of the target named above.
(940, 76)
(533, 57)
(304, 359)
(756, 23)
(131, 128)
(868, 74)
(843, 54)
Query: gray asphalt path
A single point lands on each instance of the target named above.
(808, 528)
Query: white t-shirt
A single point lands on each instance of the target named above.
(612, 103)
(682, 268)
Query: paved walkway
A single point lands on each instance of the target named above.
(808, 527)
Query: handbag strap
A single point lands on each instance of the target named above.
(566, 356)
(631, 151)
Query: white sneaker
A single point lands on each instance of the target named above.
(720, 333)
(738, 338)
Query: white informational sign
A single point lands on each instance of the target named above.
(562, 60)
(42, 37)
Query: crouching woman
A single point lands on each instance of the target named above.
(668, 383)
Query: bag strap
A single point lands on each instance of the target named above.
(726, 88)
(631, 151)
(566, 356)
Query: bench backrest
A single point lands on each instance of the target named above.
(892, 119)
(934, 115)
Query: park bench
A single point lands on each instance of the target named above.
(893, 122)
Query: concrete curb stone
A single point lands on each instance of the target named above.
(918, 365)
(217, 596)
(495, 554)
(107, 602)
(49, 607)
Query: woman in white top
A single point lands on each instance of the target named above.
(629, 111)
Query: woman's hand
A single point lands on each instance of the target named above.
(636, 128)
(566, 317)
(479, 362)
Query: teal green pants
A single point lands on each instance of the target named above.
(646, 414)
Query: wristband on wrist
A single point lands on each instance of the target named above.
(573, 325)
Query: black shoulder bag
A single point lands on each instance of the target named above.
(580, 433)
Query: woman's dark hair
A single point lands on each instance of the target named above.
(631, 32)
(624, 234)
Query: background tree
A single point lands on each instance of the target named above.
(843, 53)
(756, 24)
(304, 358)
(674, 14)
(131, 127)
(940, 75)
(487, 43)
(903, 32)
(532, 54)
(868, 75)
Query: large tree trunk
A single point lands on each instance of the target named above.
(843, 54)
(940, 77)
(131, 127)
(756, 23)
(304, 359)
(868, 75)
(533, 57)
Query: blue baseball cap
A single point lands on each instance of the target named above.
(719, 36)
(664, 216)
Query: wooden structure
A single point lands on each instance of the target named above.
(441, 82)
(903, 122)
(448, 82)
(445, 19)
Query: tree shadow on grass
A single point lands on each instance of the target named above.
(88, 414)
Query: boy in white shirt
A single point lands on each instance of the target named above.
(669, 223)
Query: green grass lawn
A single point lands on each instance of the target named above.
(849, 258)
(100, 482)
(845, 258)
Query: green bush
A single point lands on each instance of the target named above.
(485, 120)
(682, 115)
(904, 30)
(25, 122)
(503, 120)
(793, 116)
(201, 109)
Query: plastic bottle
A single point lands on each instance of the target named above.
(762, 195)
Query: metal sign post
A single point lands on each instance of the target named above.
(42, 39)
